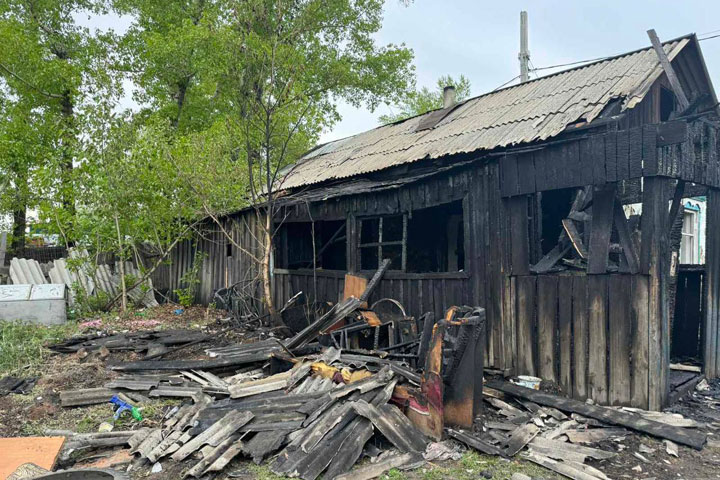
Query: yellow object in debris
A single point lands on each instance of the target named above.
(354, 376)
(349, 376)
(323, 369)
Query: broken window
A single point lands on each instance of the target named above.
(294, 245)
(667, 104)
(421, 241)
(436, 239)
(381, 238)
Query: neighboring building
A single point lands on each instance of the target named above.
(512, 201)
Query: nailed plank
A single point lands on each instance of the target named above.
(546, 332)
(626, 241)
(393, 460)
(689, 437)
(650, 161)
(669, 70)
(520, 437)
(597, 317)
(575, 237)
(619, 339)
(525, 324)
(602, 221)
(476, 443)
(565, 336)
(580, 337)
(640, 340)
(520, 242)
(393, 425)
(559, 467)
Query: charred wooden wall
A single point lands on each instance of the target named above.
(589, 333)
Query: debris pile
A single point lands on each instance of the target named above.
(556, 432)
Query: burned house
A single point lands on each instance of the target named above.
(554, 204)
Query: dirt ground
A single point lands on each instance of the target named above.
(40, 411)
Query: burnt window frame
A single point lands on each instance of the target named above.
(380, 243)
(282, 248)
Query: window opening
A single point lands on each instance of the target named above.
(667, 104)
(294, 245)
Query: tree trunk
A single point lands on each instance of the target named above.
(68, 141)
(123, 301)
(18, 232)
(265, 266)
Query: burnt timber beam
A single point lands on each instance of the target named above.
(684, 436)
(602, 221)
(669, 70)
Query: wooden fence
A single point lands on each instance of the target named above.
(590, 333)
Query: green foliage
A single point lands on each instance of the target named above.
(424, 100)
(22, 346)
(191, 280)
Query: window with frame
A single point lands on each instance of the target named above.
(688, 243)
(381, 238)
(421, 241)
(294, 245)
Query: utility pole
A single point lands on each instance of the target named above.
(524, 55)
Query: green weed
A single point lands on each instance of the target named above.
(22, 346)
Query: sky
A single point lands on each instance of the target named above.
(480, 39)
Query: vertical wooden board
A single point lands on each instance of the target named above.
(619, 339)
(602, 221)
(611, 157)
(712, 279)
(508, 319)
(575, 167)
(598, 159)
(526, 173)
(622, 158)
(540, 159)
(639, 336)
(525, 309)
(547, 292)
(580, 337)
(636, 148)
(565, 340)
(509, 175)
(520, 247)
(587, 166)
(597, 335)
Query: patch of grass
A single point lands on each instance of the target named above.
(472, 464)
(262, 472)
(22, 348)
(394, 474)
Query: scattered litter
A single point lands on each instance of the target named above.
(671, 448)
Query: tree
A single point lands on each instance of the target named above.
(23, 147)
(248, 85)
(424, 100)
(53, 67)
(290, 62)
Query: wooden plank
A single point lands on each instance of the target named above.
(685, 436)
(598, 159)
(669, 71)
(546, 332)
(520, 247)
(626, 241)
(526, 173)
(639, 312)
(619, 339)
(520, 437)
(580, 337)
(611, 157)
(597, 357)
(509, 179)
(623, 157)
(525, 324)
(586, 162)
(635, 155)
(575, 237)
(650, 161)
(602, 212)
(712, 281)
(565, 340)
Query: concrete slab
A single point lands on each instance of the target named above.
(43, 304)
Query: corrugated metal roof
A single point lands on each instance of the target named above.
(532, 111)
